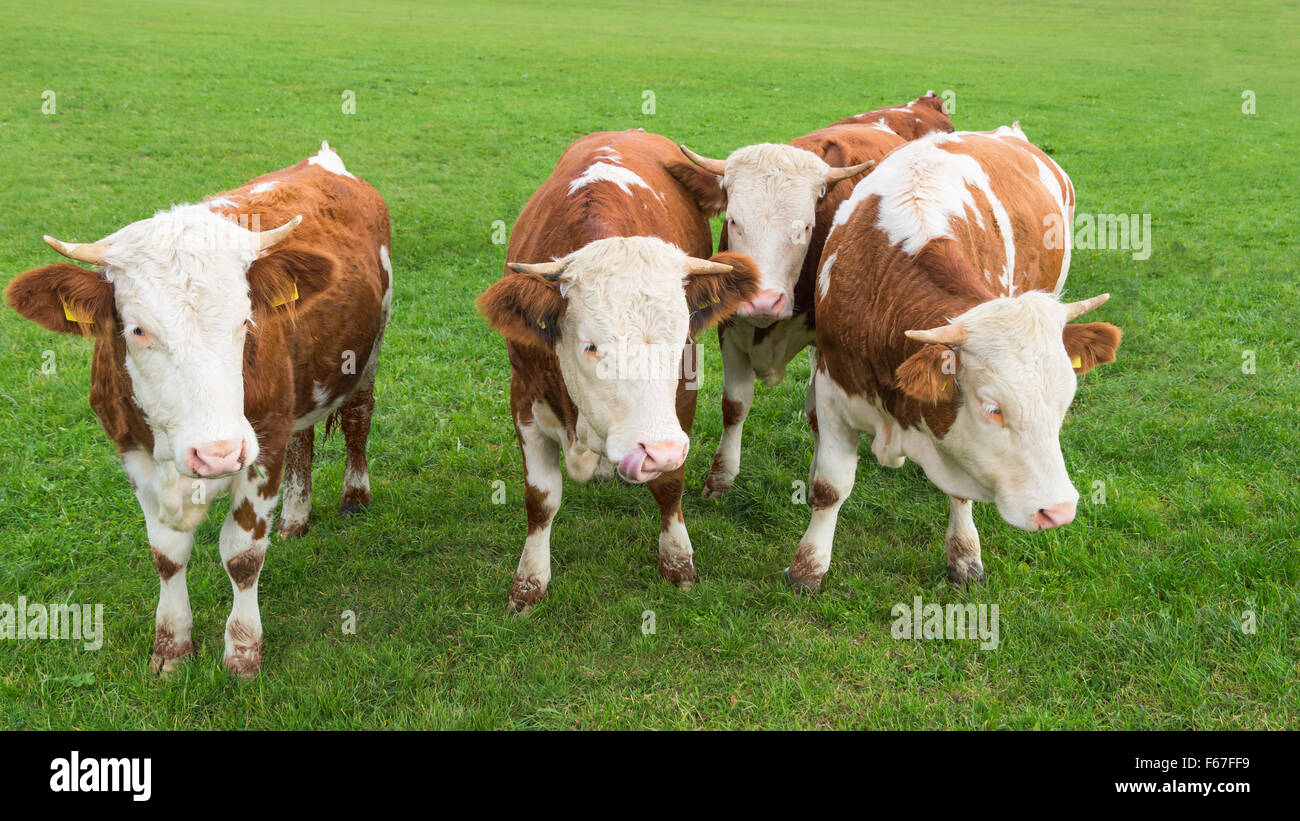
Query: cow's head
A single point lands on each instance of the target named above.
(617, 313)
(771, 194)
(1008, 368)
(182, 288)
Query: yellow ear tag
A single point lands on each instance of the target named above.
(1076, 362)
(292, 298)
(541, 323)
(73, 318)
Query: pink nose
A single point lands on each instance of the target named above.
(1049, 517)
(216, 458)
(766, 303)
(648, 461)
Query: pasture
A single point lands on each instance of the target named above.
(1171, 602)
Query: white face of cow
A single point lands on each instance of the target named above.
(620, 349)
(1015, 384)
(772, 195)
(181, 290)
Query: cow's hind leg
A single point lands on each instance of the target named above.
(737, 397)
(244, 539)
(295, 507)
(355, 418)
(835, 465)
(543, 485)
(962, 543)
(676, 556)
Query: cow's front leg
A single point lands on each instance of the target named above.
(173, 620)
(543, 485)
(737, 397)
(676, 556)
(244, 539)
(962, 543)
(835, 464)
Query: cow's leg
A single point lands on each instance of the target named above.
(676, 556)
(835, 464)
(295, 505)
(173, 620)
(810, 410)
(543, 485)
(355, 421)
(737, 397)
(962, 543)
(244, 539)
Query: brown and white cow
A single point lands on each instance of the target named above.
(941, 334)
(218, 347)
(606, 286)
(780, 200)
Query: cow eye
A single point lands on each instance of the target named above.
(992, 411)
(589, 348)
(733, 225)
(139, 336)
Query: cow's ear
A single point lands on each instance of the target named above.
(712, 298)
(63, 297)
(525, 308)
(705, 187)
(930, 374)
(289, 279)
(1090, 344)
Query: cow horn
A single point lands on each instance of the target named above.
(836, 174)
(952, 334)
(550, 270)
(1074, 310)
(91, 252)
(265, 239)
(716, 167)
(695, 265)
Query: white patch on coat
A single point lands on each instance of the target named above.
(824, 276)
(329, 159)
(263, 187)
(605, 172)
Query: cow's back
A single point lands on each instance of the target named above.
(610, 184)
(329, 344)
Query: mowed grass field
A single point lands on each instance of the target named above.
(1132, 617)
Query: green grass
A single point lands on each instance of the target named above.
(1129, 618)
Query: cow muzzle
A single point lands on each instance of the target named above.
(219, 458)
(648, 461)
(1056, 516)
(767, 305)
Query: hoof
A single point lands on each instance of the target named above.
(292, 530)
(519, 608)
(962, 577)
(164, 667)
(800, 585)
(242, 668)
(350, 509)
(684, 584)
(714, 488)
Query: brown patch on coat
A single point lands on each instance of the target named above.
(812, 421)
(803, 568)
(166, 646)
(244, 515)
(165, 566)
(539, 515)
(824, 494)
(245, 567)
(677, 569)
(732, 412)
(247, 656)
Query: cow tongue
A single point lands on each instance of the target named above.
(630, 466)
